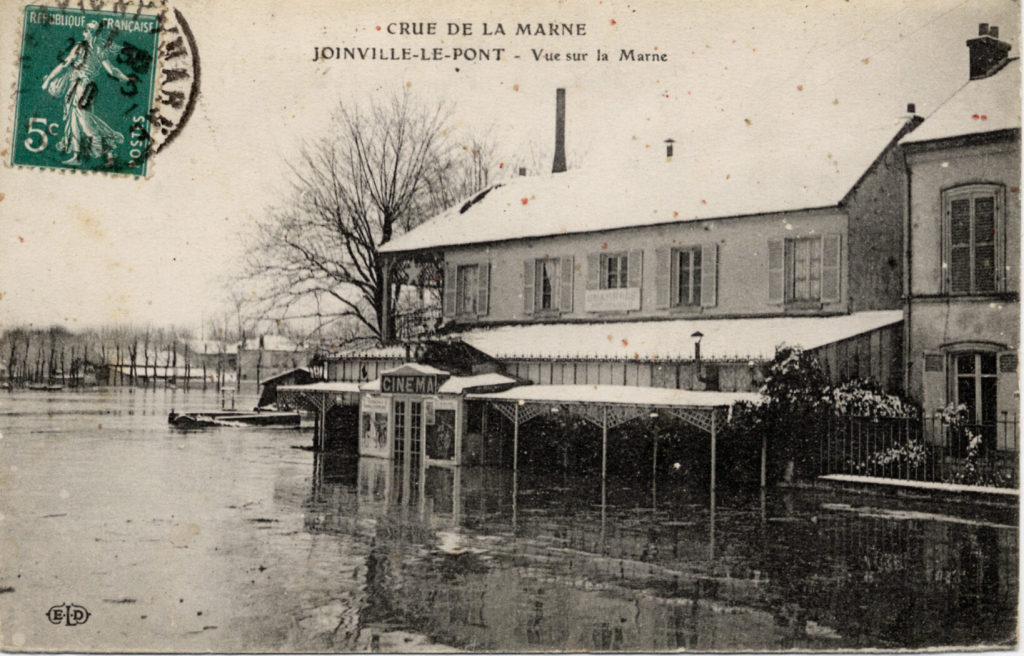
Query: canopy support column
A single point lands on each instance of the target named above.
(764, 458)
(515, 462)
(654, 474)
(714, 448)
(604, 468)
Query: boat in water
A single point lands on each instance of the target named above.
(257, 417)
(45, 387)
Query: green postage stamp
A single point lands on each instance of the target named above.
(86, 89)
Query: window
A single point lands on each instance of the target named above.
(546, 282)
(974, 385)
(688, 280)
(803, 269)
(973, 224)
(548, 285)
(467, 289)
(614, 271)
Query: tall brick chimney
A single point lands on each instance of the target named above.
(988, 53)
(559, 164)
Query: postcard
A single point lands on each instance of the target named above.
(551, 326)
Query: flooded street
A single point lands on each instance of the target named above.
(232, 539)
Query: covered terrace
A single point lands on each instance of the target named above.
(609, 406)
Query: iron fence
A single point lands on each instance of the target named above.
(926, 449)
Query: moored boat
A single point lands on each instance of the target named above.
(256, 417)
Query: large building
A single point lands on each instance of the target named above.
(613, 276)
(891, 256)
(963, 246)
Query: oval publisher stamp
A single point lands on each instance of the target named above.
(101, 89)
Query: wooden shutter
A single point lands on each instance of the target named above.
(709, 275)
(1007, 399)
(636, 268)
(776, 271)
(662, 277)
(830, 270)
(594, 271)
(934, 384)
(984, 243)
(450, 289)
(959, 266)
(529, 271)
(565, 273)
(483, 289)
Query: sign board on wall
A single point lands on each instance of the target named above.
(613, 300)
(406, 384)
(373, 427)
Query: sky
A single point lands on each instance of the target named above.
(84, 250)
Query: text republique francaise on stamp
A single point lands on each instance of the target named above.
(88, 96)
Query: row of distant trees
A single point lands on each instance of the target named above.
(138, 353)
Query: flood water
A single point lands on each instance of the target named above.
(233, 539)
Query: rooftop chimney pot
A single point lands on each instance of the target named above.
(668, 147)
(988, 55)
(558, 166)
(911, 108)
(522, 171)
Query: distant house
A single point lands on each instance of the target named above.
(248, 363)
(963, 249)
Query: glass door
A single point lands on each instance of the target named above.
(408, 449)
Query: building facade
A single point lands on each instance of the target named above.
(963, 250)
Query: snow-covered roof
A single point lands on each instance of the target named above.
(456, 384)
(415, 369)
(986, 105)
(750, 338)
(394, 351)
(620, 394)
(284, 374)
(461, 384)
(784, 174)
(332, 386)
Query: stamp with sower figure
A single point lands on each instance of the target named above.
(89, 94)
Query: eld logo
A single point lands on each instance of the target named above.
(69, 614)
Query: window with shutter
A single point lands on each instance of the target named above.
(776, 271)
(688, 278)
(483, 288)
(529, 277)
(467, 290)
(546, 285)
(709, 275)
(804, 270)
(614, 271)
(973, 230)
(450, 291)
(664, 295)
(565, 288)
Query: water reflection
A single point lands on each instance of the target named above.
(456, 556)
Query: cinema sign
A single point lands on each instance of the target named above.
(410, 383)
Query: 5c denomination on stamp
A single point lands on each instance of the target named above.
(86, 89)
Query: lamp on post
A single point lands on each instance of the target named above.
(696, 336)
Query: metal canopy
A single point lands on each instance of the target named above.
(613, 405)
(607, 407)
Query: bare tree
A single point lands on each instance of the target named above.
(386, 170)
